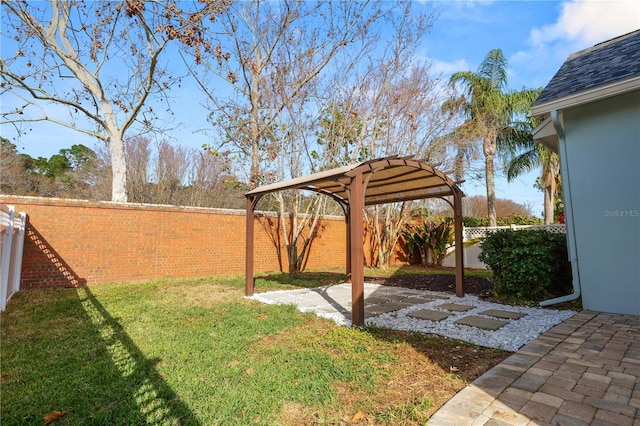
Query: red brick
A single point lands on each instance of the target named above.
(73, 242)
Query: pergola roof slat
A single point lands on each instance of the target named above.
(393, 176)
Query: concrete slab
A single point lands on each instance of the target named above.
(376, 300)
(499, 313)
(381, 309)
(483, 323)
(419, 300)
(455, 307)
(428, 314)
(398, 305)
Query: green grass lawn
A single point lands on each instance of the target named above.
(197, 353)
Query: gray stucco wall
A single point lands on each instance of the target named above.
(603, 158)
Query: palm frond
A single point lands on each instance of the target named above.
(494, 69)
(523, 163)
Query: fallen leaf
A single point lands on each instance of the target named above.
(54, 416)
(250, 371)
(359, 416)
(256, 420)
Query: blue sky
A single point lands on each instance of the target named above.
(535, 36)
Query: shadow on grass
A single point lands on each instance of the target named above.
(312, 279)
(409, 276)
(85, 364)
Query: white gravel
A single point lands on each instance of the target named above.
(334, 302)
(510, 337)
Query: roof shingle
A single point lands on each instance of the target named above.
(613, 60)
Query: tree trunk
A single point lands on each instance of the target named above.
(459, 163)
(549, 181)
(489, 147)
(119, 169)
(292, 253)
(254, 125)
(548, 205)
(424, 256)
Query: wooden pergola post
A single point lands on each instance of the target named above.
(356, 249)
(459, 246)
(348, 243)
(248, 269)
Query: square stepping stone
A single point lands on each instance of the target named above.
(499, 313)
(428, 314)
(374, 310)
(483, 323)
(377, 299)
(455, 307)
(389, 306)
(418, 300)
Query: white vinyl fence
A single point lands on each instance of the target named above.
(482, 231)
(12, 228)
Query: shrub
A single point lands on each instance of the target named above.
(518, 219)
(431, 239)
(475, 222)
(530, 264)
(512, 219)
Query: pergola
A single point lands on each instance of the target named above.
(379, 181)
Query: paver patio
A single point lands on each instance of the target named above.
(584, 371)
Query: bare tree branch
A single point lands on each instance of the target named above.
(100, 60)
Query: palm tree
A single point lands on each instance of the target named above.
(537, 155)
(492, 114)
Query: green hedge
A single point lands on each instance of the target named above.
(512, 219)
(530, 264)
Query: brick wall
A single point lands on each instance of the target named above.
(72, 242)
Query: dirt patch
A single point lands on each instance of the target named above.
(478, 286)
(427, 372)
(416, 387)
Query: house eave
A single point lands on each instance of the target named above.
(546, 134)
(586, 96)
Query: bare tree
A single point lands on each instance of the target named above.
(390, 108)
(138, 154)
(162, 173)
(170, 172)
(476, 206)
(277, 53)
(97, 62)
(14, 178)
(210, 183)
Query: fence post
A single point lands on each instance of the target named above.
(12, 244)
(5, 262)
(14, 285)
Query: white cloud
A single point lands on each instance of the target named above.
(448, 68)
(580, 24)
(589, 22)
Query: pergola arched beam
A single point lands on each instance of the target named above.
(379, 181)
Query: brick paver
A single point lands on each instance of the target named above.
(585, 371)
